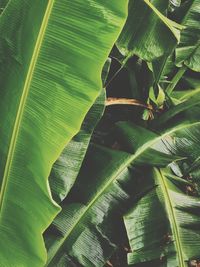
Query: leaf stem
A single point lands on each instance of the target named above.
(176, 79)
(123, 63)
(126, 101)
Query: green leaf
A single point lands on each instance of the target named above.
(86, 212)
(84, 232)
(186, 102)
(187, 145)
(146, 226)
(51, 57)
(188, 52)
(172, 25)
(132, 137)
(3, 3)
(147, 32)
(174, 239)
(164, 223)
(175, 80)
(66, 169)
(163, 66)
(159, 100)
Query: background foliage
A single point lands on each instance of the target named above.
(135, 201)
(128, 181)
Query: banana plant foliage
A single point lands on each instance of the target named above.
(147, 32)
(129, 187)
(3, 4)
(51, 57)
(65, 170)
(188, 51)
(175, 239)
(87, 219)
(147, 179)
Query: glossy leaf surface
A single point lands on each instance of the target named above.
(50, 74)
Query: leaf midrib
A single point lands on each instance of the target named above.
(172, 25)
(172, 216)
(25, 92)
(112, 179)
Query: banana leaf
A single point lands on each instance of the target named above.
(184, 110)
(65, 170)
(147, 32)
(163, 225)
(188, 51)
(51, 57)
(187, 146)
(83, 234)
(87, 219)
(3, 3)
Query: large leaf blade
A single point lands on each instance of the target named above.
(42, 71)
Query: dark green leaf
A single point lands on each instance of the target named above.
(188, 52)
(147, 32)
(66, 168)
(164, 224)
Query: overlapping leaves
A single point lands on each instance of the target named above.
(51, 57)
(154, 175)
